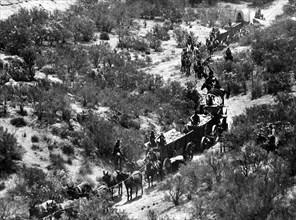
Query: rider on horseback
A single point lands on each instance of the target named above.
(117, 149)
(215, 83)
(152, 141)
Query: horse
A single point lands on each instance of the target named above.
(151, 169)
(42, 210)
(130, 181)
(67, 207)
(81, 190)
(112, 181)
(219, 93)
(198, 70)
(207, 86)
(152, 155)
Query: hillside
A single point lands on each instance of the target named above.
(166, 64)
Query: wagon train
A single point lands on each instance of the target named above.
(231, 33)
(181, 146)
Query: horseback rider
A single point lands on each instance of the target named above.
(117, 149)
(228, 55)
(152, 139)
(195, 118)
(161, 140)
(215, 83)
(189, 41)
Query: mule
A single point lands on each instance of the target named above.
(130, 181)
(43, 210)
(102, 190)
(68, 207)
(81, 190)
(151, 169)
(112, 180)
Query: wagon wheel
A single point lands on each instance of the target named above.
(167, 166)
(189, 151)
(205, 143)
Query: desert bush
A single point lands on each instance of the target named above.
(215, 16)
(154, 42)
(99, 137)
(94, 207)
(160, 32)
(12, 209)
(140, 44)
(2, 186)
(10, 151)
(68, 149)
(175, 187)
(180, 36)
(85, 168)
(57, 162)
(279, 82)
(34, 185)
(18, 122)
(257, 90)
(104, 36)
(151, 214)
(34, 139)
(35, 147)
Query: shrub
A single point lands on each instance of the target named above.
(94, 207)
(2, 186)
(99, 137)
(151, 215)
(68, 149)
(36, 185)
(57, 162)
(18, 122)
(257, 90)
(140, 44)
(86, 168)
(104, 36)
(154, 43)
(11, 208)
(35, 147)
(175, 185)
(160, 32)
(10, 151)
(180, 36)
(34, 139)
(279, 82)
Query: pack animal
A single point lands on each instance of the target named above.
(81, 190)
(131, 181)
(152, 169)
(112, 180)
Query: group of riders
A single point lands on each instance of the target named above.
(191, 57)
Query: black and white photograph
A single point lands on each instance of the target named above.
(147, 110)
